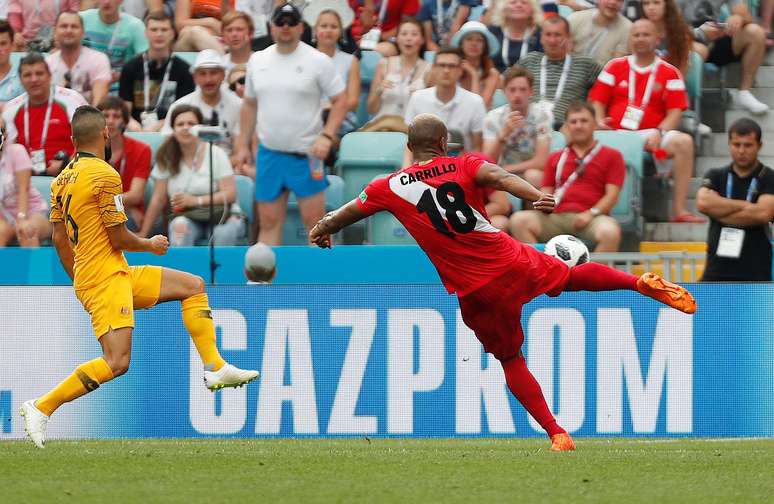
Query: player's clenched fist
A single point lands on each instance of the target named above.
(545, 203)
(159, 244)
(317, 237)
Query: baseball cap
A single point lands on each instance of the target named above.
(286, 11)
(208, 58)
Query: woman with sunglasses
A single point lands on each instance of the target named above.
(329, 26)
(236, 80)
(23, 211)
(182, 179)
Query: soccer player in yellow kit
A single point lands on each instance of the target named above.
(90, 236)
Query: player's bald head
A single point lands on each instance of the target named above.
(426, 131)
(643, 24)
(88, 125)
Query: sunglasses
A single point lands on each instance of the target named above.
(68, 80)
(291, 22)
(239, 81)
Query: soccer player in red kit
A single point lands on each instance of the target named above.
(440, 200)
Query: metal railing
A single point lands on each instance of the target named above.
(673, 266)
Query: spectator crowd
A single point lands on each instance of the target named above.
(282, 81)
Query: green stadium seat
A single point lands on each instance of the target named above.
(364, 155)
(565, 11)
(149, 184)
(368, 62)
(385, 229)
(498, 99)
(294, 232)
(693, 78)
(153, 138)
(43, 184)
(245, 195)
(188, 57)
(429, 56)
(476, 12)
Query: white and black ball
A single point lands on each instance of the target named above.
(568, 249)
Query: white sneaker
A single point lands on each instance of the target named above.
(34, 423)
(747, 100)
(704, 130)
(228, 376)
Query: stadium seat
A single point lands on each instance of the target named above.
(188, 57)
(476, 12)
(294, 232)
(43, 184)
(368, 62)
(364, 155)
(149, 191)
(498, 99)
(385, 229)
(565, 11)
(429, 56)
(245, 195)
(153, 138)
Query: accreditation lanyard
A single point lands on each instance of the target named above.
(750, 190)
(506, 48)
(382, 12)
(146, 82)
(46, 119)
(559, 189)
(648, 86)
(441, 16)
(562, 79)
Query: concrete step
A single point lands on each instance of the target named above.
(768, 60)
(665, 231)
(704, 163)
(717, 145)
(733, 72)
(766, 121)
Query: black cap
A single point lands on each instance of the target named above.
(286, 11)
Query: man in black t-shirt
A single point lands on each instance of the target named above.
(168, 77)
(739, 199)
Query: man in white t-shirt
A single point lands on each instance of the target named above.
(219, 105)
(287, 85)
(463, 112)
(518, 135)
(75, 66)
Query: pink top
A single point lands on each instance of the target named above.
(39, 13)
(15, 158)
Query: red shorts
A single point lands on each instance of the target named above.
(493, 311)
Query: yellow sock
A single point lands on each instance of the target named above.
(86, 378)
(197, 317)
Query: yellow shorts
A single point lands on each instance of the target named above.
(111, 305)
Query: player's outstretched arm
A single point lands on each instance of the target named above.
(491, 175)
(123, 239)
(63, 248)
(333, 222)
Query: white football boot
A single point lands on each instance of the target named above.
(34, 423)
(228, 376)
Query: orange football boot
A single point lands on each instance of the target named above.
(562, 442)
(669, 293)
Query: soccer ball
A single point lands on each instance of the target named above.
(568, 249)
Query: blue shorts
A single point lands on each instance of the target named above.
(278, 171)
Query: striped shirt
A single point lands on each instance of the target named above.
(583, 73)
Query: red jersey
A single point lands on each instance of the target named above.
(135, 163)
(443, 208)
(63, 106)
(395, 11)
(612, 90)
(606, 167)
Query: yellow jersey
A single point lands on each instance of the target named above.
(86, 196)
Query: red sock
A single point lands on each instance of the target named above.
(592, 276)
(527, 390)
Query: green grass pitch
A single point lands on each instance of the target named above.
(388, 470)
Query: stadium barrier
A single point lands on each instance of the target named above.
(392, 360)
(306, 265)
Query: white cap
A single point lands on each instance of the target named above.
(208, 58)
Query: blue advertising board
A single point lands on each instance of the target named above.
(396, 360)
